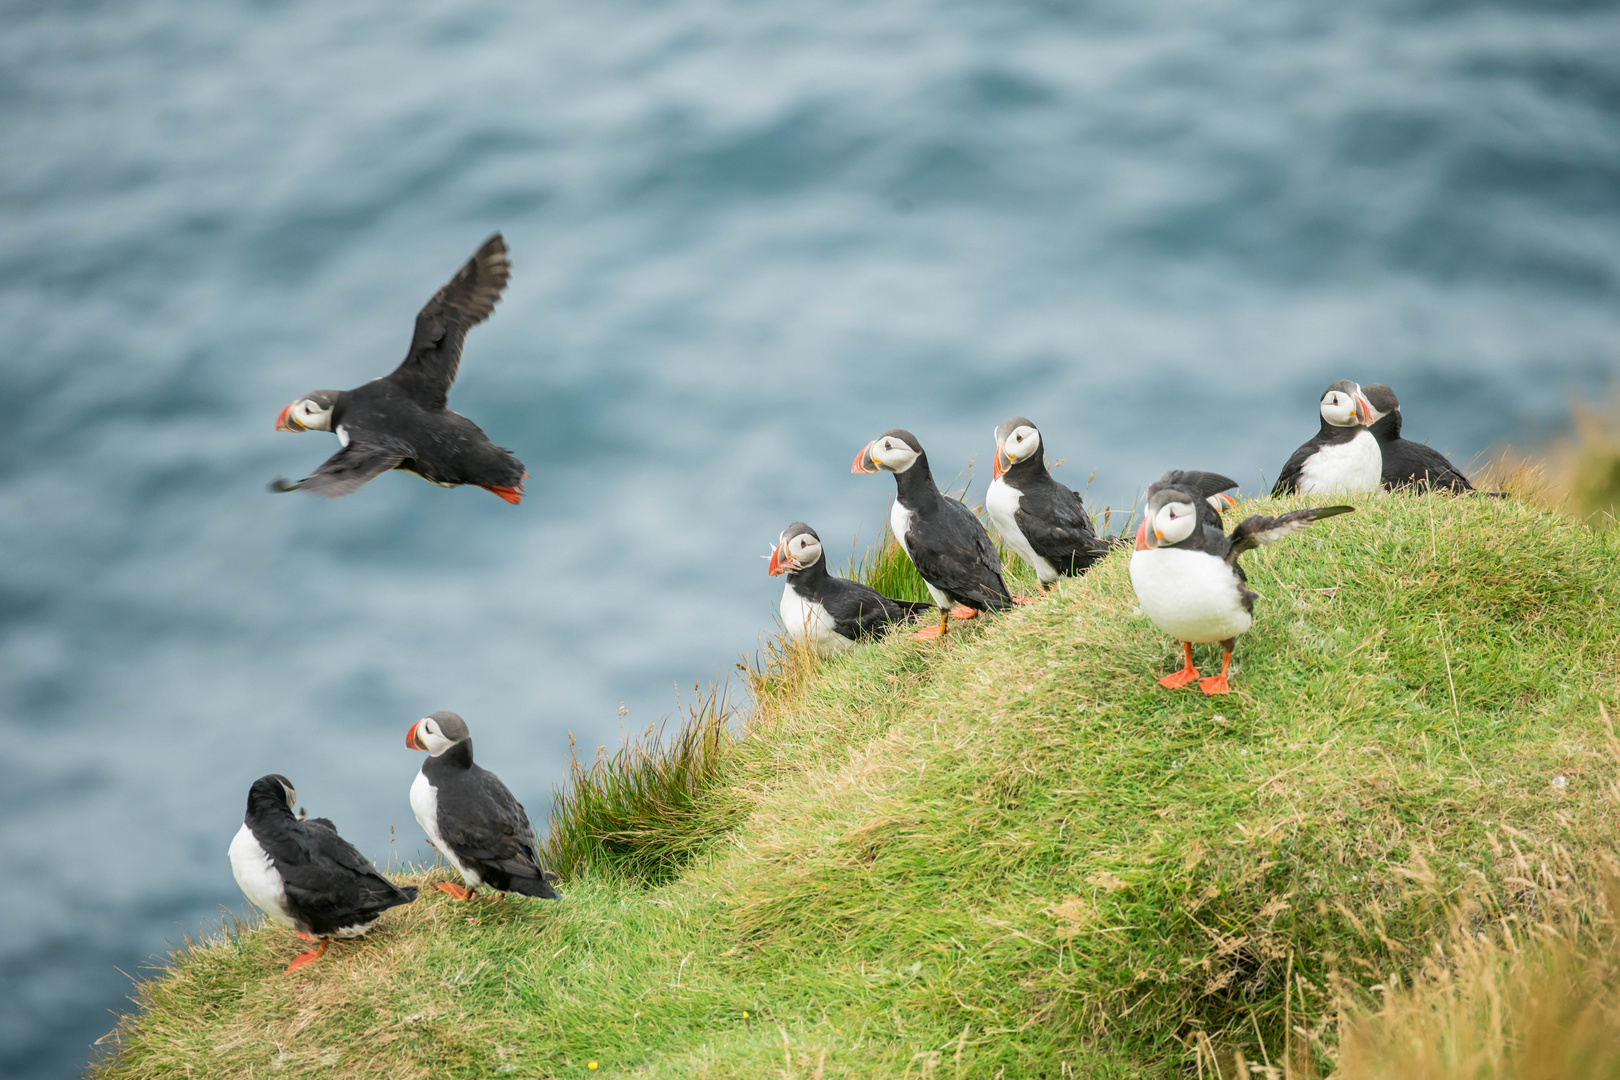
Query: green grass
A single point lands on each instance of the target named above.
(1011, 853)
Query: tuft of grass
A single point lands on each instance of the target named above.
(1010, 853)
(1579, 476)
(636, 815)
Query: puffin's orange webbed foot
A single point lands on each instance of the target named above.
(513, 495)
(1026, 599)
(927, 633)
(962, 611)
(1216, 684)
(460, 892)
(307, 957)
(1187, 674)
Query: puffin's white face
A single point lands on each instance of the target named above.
(1023, 443)
(892, 454)
(804, 550)
(1341, 408)
(306, 414)
(426, 735)
(1174, 522)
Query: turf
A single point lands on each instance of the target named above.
(1009, 853)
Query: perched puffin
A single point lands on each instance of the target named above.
(941, 536)
(1187, 577)
(400, 421)
(829, 614)
(471, 817)
(1041, 519)
(1408, 464)
(302, 874)
(1343, 456)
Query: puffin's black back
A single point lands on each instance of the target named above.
(948, 544)
(485, 824)
(1053, 518)
(1408, 464)
(329, 885)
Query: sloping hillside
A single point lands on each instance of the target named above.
(1014, 854)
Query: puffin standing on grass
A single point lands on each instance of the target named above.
(941, 536)
(1408, 464)
(1041, 519)
(400, 420)
(471, 817)
(1344, 456)
(829, 614)
(1187, 578)
(302, 874)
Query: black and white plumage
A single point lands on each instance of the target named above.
(1038, 517)
(1343, 456)
(1187, 578)
(1209, 487)
(302, 874)
(942, 537)
(471, 817)
(1408, 464)
(829, 614)
(400, 420)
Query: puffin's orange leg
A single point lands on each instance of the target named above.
(962, 611)
(1186, 675)
(308, 957)
(1216, 684)
(929, 632)
(513, 495)
(460, 892)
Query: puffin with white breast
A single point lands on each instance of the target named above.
(1408, 464)
(302, 874)
(1344, 455)
(471, 817)
(1187, 578)
(829, 614)
(1040, 518)
(943, 538)
(400, 421)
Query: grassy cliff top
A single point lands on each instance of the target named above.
(1013, 854)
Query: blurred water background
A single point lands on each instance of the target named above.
(747, 238)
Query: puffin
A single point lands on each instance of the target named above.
(829, 614)
(302, 874)
(1344, 456)
(471, 817)
(1408, 464)
(1187, 578)
(400, 420)
(1040, 518)
(1213, 486)
(944, 540)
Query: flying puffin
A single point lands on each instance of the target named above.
(302, 874)
(400, 421)
(1041, 519)
(471, 817)
(830, 614)
(1408, 464)
(1187, 578)
(941, 536)
(1343, 456)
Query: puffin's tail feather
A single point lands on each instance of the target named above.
(537, 887)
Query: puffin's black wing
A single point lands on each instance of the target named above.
(368, 454)
(1202, 484)
(1413, 464)
(333, 886)
(486, 825)
(1260, 529)
(863, 611)
(442, 325)
(963, 561)
(1056, 524)
(1288, 479)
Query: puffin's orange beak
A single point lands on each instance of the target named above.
(1364, 410)
(1141, 536)
(996, 468)
(411, 741)
(778, 562)
(863, 461)
(285, 422)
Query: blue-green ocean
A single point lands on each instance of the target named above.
(747, 237)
